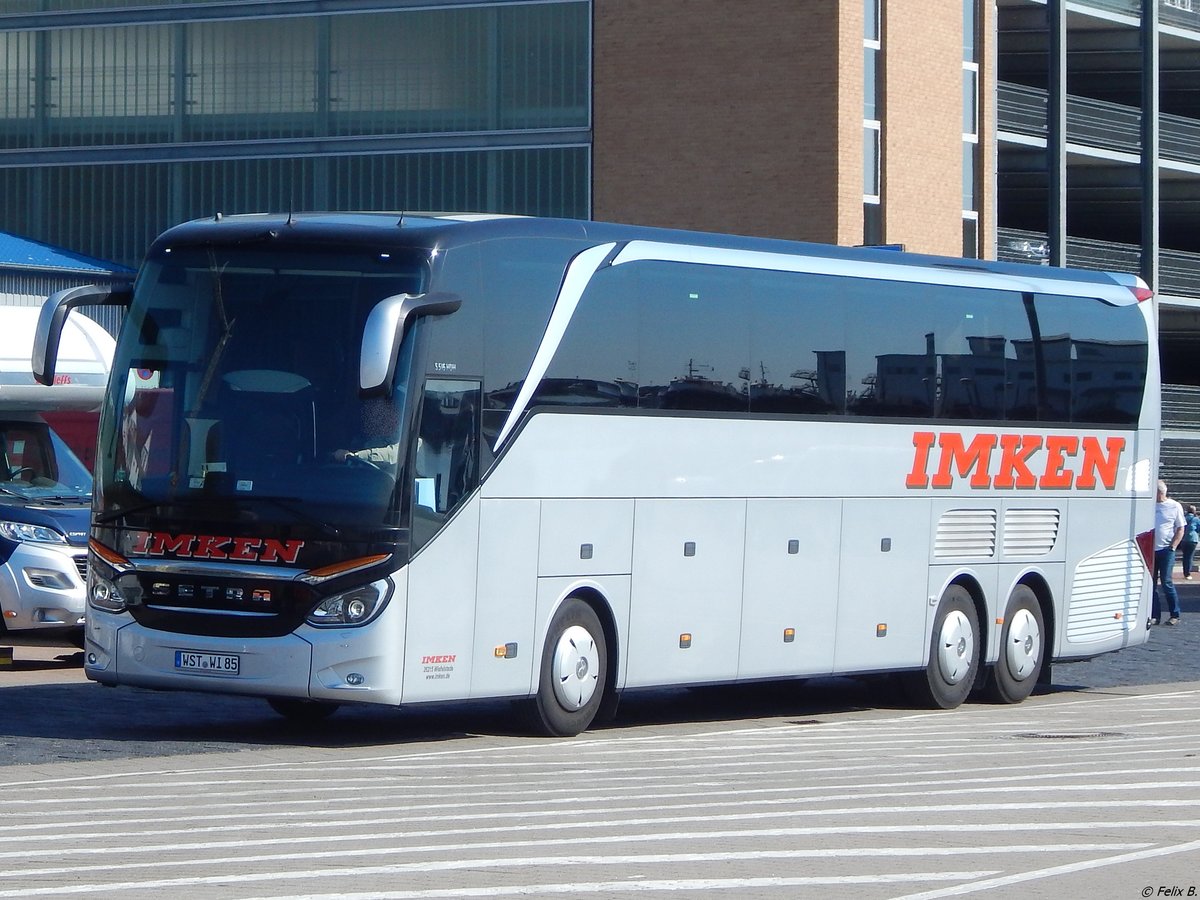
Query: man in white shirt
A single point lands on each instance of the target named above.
(1168, 532)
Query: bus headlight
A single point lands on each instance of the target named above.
(104, 594)
(112, 583)
(356, 607)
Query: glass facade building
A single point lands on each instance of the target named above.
(119, 118)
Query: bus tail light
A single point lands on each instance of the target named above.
(1140, 290)
(1145, 542)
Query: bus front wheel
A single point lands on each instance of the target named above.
(953, 654)
(1022, 649)
(574, 672)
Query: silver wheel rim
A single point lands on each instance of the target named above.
(575, 668)
(1024, 644)
(956, 647)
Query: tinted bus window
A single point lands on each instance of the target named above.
(693, 337)
(1095, 359)
(507, 311)
(596, 363)
(797, 344)
(923, 350)
(695, 350)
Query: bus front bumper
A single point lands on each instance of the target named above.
(317, 665)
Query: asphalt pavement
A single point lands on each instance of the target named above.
(1172, 654)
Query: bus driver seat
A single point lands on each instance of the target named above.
(268, 422)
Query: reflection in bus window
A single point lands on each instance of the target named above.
(447, 453)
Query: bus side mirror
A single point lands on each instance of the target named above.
(54, 316)
(385, 330)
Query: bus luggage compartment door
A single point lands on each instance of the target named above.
(790, 606)
(685, 618)
(883, 608)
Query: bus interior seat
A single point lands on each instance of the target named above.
(268, 421)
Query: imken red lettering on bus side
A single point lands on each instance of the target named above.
(1070, 461)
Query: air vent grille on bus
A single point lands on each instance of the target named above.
(965, 533)
(1105, 594)
(1030, 532)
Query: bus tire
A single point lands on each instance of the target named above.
(1022, 649)
(574, 672)
(295, 709)
(954, 651)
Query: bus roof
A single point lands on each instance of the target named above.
(445, 230)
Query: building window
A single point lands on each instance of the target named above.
(970, 152)
(871, 161)
(970, 132)
(970, 234)
(970, 99)
(872, 121)
(872, 223)
(870, 82)
(970, 54)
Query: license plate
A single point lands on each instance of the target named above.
(213, 663)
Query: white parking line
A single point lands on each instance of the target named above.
(442, 865)
(1067, 869)
(465, 821)
(599, 887)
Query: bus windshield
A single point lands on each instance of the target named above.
(235, 388)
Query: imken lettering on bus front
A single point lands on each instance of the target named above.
(207, 546)
(941, 459)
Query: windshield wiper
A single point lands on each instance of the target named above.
(103, 518)
(284, 503)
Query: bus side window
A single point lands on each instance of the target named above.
(447, 460)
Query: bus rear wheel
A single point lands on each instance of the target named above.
(953, 654)
(574, 672)
(1022, 649)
